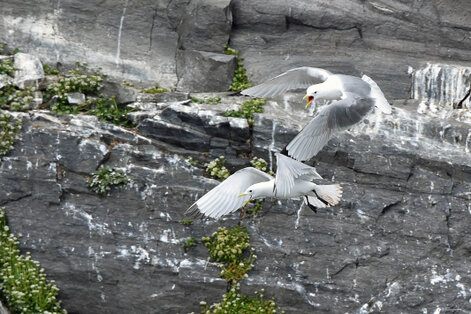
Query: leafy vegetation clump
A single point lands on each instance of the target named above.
(74, 81)
(217, 170)
(154, 90)
(235, 302)
(191, 242)
(192, 161)
(228, 247)
(209, 100)
(247, 109)
(127, 84)
(261, 164)
(23, 285)
(105, 178)
(186, 222)
(240, 80)
(7, 67)
(15, 99)
(8, 132)
(110, 110)
(49, 70)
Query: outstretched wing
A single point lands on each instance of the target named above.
(224, 198)
(292, 79)
(338, 116)
(287, 171)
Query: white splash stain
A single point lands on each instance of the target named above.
(272, 145)
(80, 214)
(298, 216)
(118, 49)
(168, 236)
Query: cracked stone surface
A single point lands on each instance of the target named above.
(398, 240)
(139, 39)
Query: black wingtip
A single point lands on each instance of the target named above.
(284, 152)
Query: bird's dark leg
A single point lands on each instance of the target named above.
(321, 199)
(312, 207)
(243, 212)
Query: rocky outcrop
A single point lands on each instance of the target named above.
(139, 40)
(398, 241)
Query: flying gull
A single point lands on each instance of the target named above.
(294, 181)
(353, 97)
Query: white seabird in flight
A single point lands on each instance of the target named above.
(294, 181)
(355, 98)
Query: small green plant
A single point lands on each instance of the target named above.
(154, 90)
(23, 284)
(261, 164)
(50, 70)
(74, 81)
(209, 100)
(186, 222)
(110, 110)
(256, 207)
(7, 67)
(127, 84)
(240, 80)
(217, 170)
(8, 132)
(188, 244)
(235, 302)
(192, 161)
(247, 109)
(105, 178)
(228, 247)
(15, 99)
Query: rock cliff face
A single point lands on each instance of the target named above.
(156, 41)
(399, 241)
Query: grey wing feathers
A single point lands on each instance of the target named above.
(288, 170)
(340, 115)
(292, 79)
(224, 198)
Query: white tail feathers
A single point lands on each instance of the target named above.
(378, 95)
(332, 193)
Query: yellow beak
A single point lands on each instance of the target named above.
(244, 194)
(309, 101)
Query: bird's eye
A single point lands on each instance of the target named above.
(315, 92)
(250, 191)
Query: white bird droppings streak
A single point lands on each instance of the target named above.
(272, 145)
(118, 50)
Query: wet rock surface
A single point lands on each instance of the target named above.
(398, 240)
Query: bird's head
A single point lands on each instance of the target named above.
(253, 192)
(321, 91)
(313, 92)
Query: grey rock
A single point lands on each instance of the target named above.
(239, 129)
(5, 80)
(76, 98)
(28, 70)
(122, 93)
(162, 97)
(3, 309)
(37, 100)
(195, 67)
(206, 26)
(398, 240)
